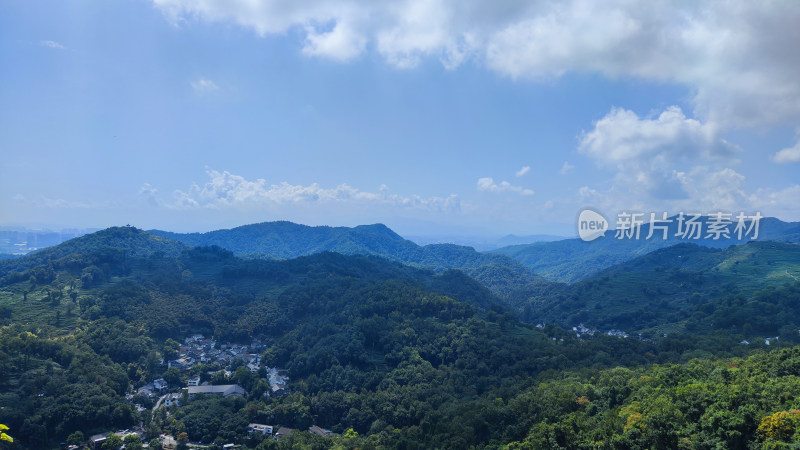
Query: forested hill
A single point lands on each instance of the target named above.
(572, 260)
(130, 241)
(750, 289)
(500, 274)
(286, 240)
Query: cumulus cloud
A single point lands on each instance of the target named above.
(488, 185)
(341, 43)
(649, 152)
(622, 136)
(671, 163)
(705, 189)
(724, 190)
(713, 190)
(738, 57)
(788, 155)
(523, 171)
(226, 190)
(204, 85)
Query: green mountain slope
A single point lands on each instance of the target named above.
(109, 243)
(285, 240)
(686, 287)
(572, 259)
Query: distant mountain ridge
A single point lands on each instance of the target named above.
(484, 243)
(286, 240)
(572, 260)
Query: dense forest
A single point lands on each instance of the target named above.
(571, 260)
(386, 355)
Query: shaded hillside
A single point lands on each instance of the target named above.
(686, 287)
(284, 240)
(571, 260)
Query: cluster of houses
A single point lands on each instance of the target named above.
(618, 333)
(199, 350)
(581, 331)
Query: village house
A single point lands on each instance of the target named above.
(172, 399)
(96, 441)
(160, 385)
(225, 390)
(283, 432)
(259, 428)
(147, 390)
(320, 431)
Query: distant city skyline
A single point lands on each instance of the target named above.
(434, 118)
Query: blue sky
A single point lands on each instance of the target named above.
(434, 117)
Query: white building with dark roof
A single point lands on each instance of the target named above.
(259, 428)
(225, 390)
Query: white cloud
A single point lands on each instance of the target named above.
(788, 155)
(204, 85)
(226, 190)
(783, 203)
(587, 194)
(672, 163)
(488, 185)
(737, 57)
(621, 136)
(341, 43)
(724, 190)
(566, 168)
(150, 193)
(705, 190)
(523, 171)
(52, 44)
(713, 190)
(147, 189)
(647, 153)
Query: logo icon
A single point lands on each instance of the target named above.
(591, 225)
